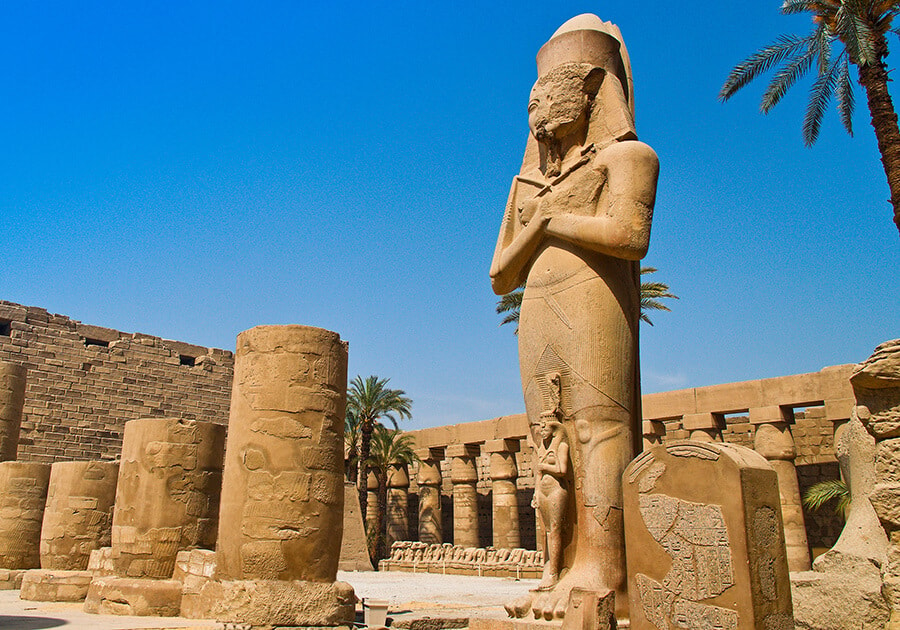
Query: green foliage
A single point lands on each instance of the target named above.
(510, 305)
(390, 447)
(651, 293)
(371, 400)
(824, 492)
(352, 435)
(855, 27)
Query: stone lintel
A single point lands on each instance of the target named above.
(502, 446)
(430, 453)
(706, 420)
(653, 427)
(839, 409)
(771, 415)
(463, 450)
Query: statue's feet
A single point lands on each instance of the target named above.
(519, 608)
(548, 580)
(551, 603)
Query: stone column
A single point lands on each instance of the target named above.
(12, 401)
(23, 493)
(371, 501)
(464, 476)
(281, 523)
(504, 493)
(283, 488)
(429, 481)
(775, 442)
(653, 432)
(703, 427)
(397, 504)
(167, 496)
(78, 515)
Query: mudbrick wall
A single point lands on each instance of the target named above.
(85, 381)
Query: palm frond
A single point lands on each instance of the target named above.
(845, 99)
(760, 62)
(511, 304)
(824, 492)
(792, 7)
(819, 97)
(651, 292)
(785, 78)
(855, 33)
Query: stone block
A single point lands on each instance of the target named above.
(704, 539)
(845, 596)
(135, 597)
(699, 421)
(590, 610)
(275, 603)
(42, 585)
(11, 579)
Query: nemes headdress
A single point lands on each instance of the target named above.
(587, 39)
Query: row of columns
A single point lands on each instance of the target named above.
(773, 440)
(464, 477)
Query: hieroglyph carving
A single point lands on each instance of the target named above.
(694, 536)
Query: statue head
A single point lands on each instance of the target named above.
(549, 427)
(583, 94)
(560, 101)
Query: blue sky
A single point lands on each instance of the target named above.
(191, 170)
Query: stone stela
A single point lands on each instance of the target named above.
(705, 540)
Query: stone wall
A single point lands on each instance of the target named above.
(85, 381)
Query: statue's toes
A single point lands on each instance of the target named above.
(559, 609)
(518, 608)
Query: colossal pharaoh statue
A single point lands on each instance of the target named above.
(577, 221)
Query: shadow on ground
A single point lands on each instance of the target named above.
(14, 622)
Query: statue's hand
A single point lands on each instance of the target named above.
(529, 209)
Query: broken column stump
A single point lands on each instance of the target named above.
(167, 500)
(281, 521)
(23, 493)
(77, 520)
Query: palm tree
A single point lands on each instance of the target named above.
(390, 447)
(351, 444)
(371, 400)
(858, 29)
(651, 293)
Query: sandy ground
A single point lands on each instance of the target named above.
(409, 595)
